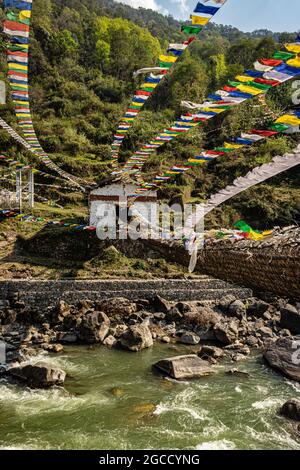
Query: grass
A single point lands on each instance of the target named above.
(109, 264)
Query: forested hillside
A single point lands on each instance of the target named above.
(82, 59)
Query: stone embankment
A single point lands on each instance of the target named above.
(271, 265)
(40, 294)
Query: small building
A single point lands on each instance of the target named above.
(111, 198)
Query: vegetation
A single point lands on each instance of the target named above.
(83, 55)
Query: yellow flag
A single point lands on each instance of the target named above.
(244, 78)
(288, 119)
(193, 124)
(134, 103)
(213, 110)
(267, 233)
(24, 87)
(25, 14)
(191, 160)
(199, 20)
(228, 145)
(17, 66)
(167, 58)
(149, 85)
(25, 103)
(250, 89)
(293, 48)
(294, 62)
(255, 236)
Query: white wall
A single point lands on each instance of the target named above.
(97, 208)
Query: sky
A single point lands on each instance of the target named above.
(247, 15)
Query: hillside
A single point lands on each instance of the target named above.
(83, 56)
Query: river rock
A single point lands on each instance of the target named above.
(40, 375)
(188, 337)
(55, 348)
(174, 315)
(118, 330)
(237, 309)
(202, 322)
(226, 333)
(110, 341)
(160, 304)
(265, 332)
(184, 367)
(291, 409)
(94, 327)
(257, 308)
(211, 351)
(238, 357)
(285, 332)
(183, 307)
(290, 318)
(226, 302)
(164, 339)
(117, 307)
(284, 356)
(136, 338)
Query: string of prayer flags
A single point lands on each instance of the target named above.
(11, 161)
(17, 28)
(203, 13)
(274, 72)
(258, 175)
(242, 226)
(43, 157)
(280, 125)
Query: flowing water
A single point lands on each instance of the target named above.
(113, 400)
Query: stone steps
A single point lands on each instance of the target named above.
(42, 293)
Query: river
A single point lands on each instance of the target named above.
(113, 400)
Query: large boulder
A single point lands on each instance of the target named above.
(225, 302)
(202, 322)
(284, 356)
(226, 333)
(184, 367)
(39, 375)
(237, 309)
(117, 308)
(136, 338)
(257, 308)
(291, 409)
(160, 304)
(94, 328)
(290, 319)
(174, 315)
(211, 351)
(188, 337)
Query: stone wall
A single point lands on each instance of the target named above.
(271, 266)
(40, 294)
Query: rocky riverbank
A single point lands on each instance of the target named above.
(231, 327)
(228, 329)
